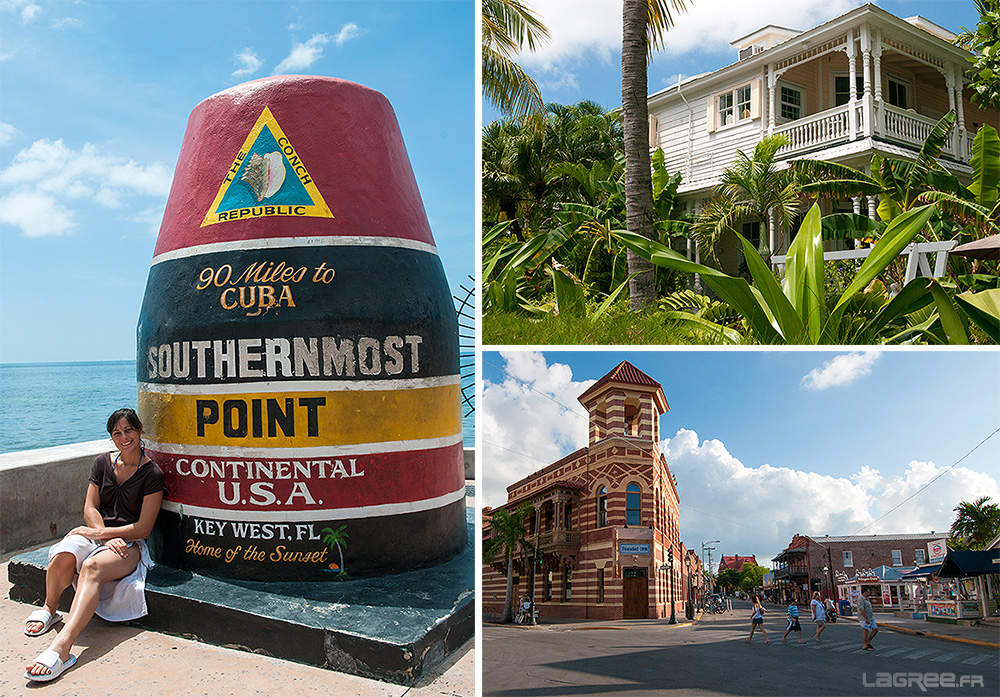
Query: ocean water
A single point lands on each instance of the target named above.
(46, 404)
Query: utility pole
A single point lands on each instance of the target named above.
(711, 578)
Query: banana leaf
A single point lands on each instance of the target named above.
(804, 275)
(701, 324)
(986, 167)
(983, 309)
(570, 300)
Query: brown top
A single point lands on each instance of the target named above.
(121, 502)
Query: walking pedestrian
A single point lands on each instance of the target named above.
(818, 614)
(793, 622)
(866, 617)
(757, 620)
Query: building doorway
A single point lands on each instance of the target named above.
(635, 594)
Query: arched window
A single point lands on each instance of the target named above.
(602, 507)
(633, 512)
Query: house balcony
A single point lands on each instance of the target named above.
(567, 541)
(883, 122)
(788, 571)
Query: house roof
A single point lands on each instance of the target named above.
(926, 536)
(736, 562)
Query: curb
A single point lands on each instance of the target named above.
(907, 630)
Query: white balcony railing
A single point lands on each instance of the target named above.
(824, 128)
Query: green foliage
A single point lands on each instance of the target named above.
(508, 25)
(976, 523)
(508, 538)
(729, 579)
(984, 43)
(752, 577)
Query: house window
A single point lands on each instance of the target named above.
(547, 586)
(920, 556)
(791, 103)
(841, 91)
(600, 585)
(897, 557)
(848, 559)
(567, 584)
(751, 232)
(734, 106)
(568, 518)
(726, 109)
(899, 93)
(602, 507)
(633, 512)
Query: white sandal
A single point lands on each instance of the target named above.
(50, 659)
(47, 619)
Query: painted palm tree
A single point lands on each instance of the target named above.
(337, 538)
(976, 523)
(507, 27)
(509, 538)
(752, 187)
(644, 23)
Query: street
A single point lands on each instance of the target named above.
(710, 657)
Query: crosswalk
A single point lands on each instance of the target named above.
(945, 655)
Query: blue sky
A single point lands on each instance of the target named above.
(766, 444)
(96, 97)
(583, 58)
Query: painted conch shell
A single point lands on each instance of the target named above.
(265, 175)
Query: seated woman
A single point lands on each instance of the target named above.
(107, 558)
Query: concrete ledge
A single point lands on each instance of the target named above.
(392, 628)
(961, 640)
(470, 463)
(42, 492)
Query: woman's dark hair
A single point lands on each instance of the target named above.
(129, 414)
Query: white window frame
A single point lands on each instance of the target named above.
(920, 556)
(897, 557)
(848, 560)
(778, 101)
(908, 84)
(750, 112)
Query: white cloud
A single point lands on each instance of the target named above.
(66, 23)
(248, 61)
(752, 508)
(150, 218)
(30, 12)
(37, 214)
(841, 370)
(27, 10)
(593, 27)
(303, 55)
(346, 33)
(8, 133)
(48, 174)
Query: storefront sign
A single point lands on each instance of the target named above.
(886, 596)
(937, 551)
(941, 609)
(631, 548)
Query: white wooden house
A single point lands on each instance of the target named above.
(906, 73)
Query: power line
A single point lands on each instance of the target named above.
(934, 479)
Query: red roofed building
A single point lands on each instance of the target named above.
(605, 522)
(736, 562)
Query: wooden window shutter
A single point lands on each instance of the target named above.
(711, 114)
(755, 99)
(654, 131)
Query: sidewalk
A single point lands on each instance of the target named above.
(121, 660)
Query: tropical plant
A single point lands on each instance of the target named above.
(752, 577)
(984, 43)
(644, 23)
(337, 538)
(751, 187)
(729, 579)
(508, 25)
(508, 538)
(798, 310)
(976, 523)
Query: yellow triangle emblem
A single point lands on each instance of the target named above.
(267, 178)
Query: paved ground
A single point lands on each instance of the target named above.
(710, 657)
(128, 661)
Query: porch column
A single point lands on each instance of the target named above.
(852, 112)
(960, 121)
(866, 100)
(771, 86)
(877, 53)
(872, 206)
(949, 83)
(772, 233)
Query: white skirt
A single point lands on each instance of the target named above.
(121, 600)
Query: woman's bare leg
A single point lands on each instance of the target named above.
(104, 566)
(58, 576)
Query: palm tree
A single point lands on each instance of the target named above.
(337, 538)
(509, 537)
(976, 523)
(507, 26)
(751, 187)
(644, 23)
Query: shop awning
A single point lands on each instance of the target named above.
(882, 574)
(966, 564)
(925, 571)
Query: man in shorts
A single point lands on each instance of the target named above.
(866, 616)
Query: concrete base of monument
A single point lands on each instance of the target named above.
(391, 628)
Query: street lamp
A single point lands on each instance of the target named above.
(670, 569)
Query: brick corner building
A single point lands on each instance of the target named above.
(605, 523)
